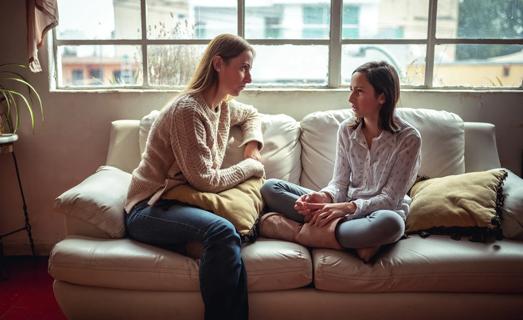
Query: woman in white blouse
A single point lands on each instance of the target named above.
(377, 160)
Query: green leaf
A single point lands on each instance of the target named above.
(31, 114)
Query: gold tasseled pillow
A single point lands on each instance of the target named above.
(240, 205)
(470, 200)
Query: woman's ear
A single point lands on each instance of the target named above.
(382, 99)
(217, 63)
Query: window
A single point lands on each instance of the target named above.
(316, 21)
(157, 43)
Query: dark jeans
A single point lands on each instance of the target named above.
(223, 280)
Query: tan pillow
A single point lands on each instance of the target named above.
(240, 205)
(464, 200)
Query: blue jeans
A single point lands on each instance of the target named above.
(223, 280)
(378, 228)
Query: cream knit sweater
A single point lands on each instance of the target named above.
(187, 144)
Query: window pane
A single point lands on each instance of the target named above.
(189, 19)
(287, 19)
(409, 60)
(294, 65)
(385, 19)
(480, 19)
(104, 65)
(99, 19)
(172, 65)
(478, 65)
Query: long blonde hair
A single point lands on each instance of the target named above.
(227, 46)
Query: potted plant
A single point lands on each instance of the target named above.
(16, 93)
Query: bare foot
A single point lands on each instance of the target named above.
(366, 254)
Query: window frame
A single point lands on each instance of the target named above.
(334, 43)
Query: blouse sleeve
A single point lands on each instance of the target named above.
(403, 173)
(338, 186)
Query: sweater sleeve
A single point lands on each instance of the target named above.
(249, 120)
(194, 157)
(404, 170)
(339, 184)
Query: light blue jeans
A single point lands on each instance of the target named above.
(376, 229)
(223, 280)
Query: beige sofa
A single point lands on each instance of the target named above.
(100, 274)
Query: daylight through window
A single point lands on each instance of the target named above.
(298, 43)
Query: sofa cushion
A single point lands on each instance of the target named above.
(127, 264)
(281, 152)
(434, 264)
(442, 147)
(463, 200)
(98, 201)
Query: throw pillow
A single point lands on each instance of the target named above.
(512, 222)
(99, 200)
(470, 200)
(240, 205)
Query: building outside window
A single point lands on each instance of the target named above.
(433, 44)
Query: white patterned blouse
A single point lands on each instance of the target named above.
(377, 178)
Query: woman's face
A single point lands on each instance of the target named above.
(235, 74)
(362, 97)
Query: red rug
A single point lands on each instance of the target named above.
(27, 293)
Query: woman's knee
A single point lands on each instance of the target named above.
(392, 226)
(222, 231)
(269, 188)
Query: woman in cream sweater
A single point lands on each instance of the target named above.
(186, 145)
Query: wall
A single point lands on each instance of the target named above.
(72, 141)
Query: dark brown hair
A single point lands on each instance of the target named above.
(384, 79)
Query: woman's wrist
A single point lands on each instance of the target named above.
(350, 207)
(328, 197)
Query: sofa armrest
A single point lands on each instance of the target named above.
(95, 207)
(481, 152)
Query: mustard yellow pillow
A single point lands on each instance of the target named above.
(240, 205)
(464, 200)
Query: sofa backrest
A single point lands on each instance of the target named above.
(303, 152)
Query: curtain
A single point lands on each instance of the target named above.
(42, 16)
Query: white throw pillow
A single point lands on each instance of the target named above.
(512, 224)
(281, 151)
(442, 136)
(99, 200)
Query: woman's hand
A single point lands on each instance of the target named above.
(302, 203)
(322, 214)
(252, 151)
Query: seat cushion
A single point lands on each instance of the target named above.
(127, 264)
(433, 264)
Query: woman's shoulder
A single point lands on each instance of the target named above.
(348, 126)
(407, 133)
(405, 127)
(184, 103)
(234, 104)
